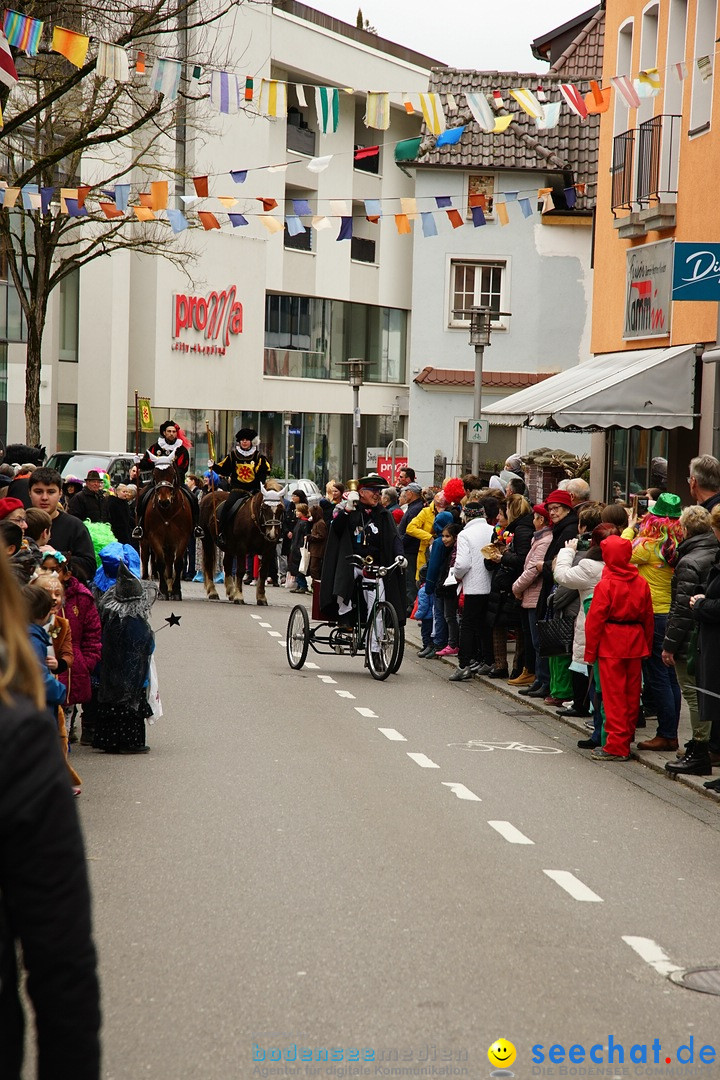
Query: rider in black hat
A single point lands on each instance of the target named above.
(245, 468)
(167, 448)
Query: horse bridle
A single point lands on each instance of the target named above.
(264, 526)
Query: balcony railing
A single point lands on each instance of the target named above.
(657, 158)
(622, 170)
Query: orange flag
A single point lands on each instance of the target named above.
(83, 192)
(146, 199)
(140, 64)
(110, 210)
(598, 100)
(502, 213)
(209, 221)
(143, 213)
(71, 45)
(403, 224)
(455, 218)
(159, 194)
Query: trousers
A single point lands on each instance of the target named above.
(621, 685)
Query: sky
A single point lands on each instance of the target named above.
(479, 34)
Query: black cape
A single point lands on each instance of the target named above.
(338, 574)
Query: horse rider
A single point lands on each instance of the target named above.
(362, 526)
(168, 448)
(246, 469)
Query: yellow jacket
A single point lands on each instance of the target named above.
(651, 565)
(421, 528)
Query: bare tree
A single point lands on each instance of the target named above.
(65, 124)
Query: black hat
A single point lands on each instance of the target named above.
(373, 480)
(127, 587)
(93, 474)
(246, 433)
(166, 424)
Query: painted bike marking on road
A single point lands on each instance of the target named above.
(461, 791)
(366, 712)
(573, 886)
(652, 954)
(274, 633)
(327, 679)
(486, 746)
(266, 624)
(511, 834)
(423, 761)
(345, 694)
(392, 734)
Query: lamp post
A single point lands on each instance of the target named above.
(355, 367)
(480, 330)
(395, 419)
(287, 422)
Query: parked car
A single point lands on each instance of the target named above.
(79, 462)
(312, 491)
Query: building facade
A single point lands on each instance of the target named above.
(253, 326)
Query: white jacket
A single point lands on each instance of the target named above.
(470, 566)
(583, 577)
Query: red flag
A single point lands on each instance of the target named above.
(366, 151)
(268, 204)
(8, 74)
(83, 192)
(201, 186)
(110, 210)
(209, 221)
(455, 218)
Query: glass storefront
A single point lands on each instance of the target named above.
(635, 461)
(307, 337)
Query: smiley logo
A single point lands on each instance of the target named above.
(502, 1053)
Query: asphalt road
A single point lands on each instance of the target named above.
(317, 860)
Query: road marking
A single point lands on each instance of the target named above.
(256, 616)
(313, 667)
(365, 712)
(511, 834)
(283, 643)
(573, 885)
(423, 761)
(652, 954)
(391, 733)
(461, 791)
(266, 624)
(326, 678)
(345, 694)
(274, 633)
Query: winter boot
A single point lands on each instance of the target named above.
(696, 761)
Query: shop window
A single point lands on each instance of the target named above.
(476, 284)
(637, 460)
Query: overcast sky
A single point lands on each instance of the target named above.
(481, 34)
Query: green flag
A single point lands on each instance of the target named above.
(408, 149)
(146, 417)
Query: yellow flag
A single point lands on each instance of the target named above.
(145, 413)
(502, 123)
(71, 45)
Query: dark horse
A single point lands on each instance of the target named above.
(256, 529)
(167, 527)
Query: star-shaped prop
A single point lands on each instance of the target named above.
(172, 620)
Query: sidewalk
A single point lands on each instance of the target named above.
(655, 761)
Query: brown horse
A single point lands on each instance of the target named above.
(167, 527)
(256, 529)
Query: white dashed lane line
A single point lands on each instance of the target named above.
(326, 679)
(313, 667)
(266, 624)
(256, 616)
(511, 834)
(392, 734)
(274, 633)
(461, 791)
(652, 954)
(573, 886)
(423, 761)
(345, 694)
(365, 712)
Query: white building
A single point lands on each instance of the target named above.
(308, 302)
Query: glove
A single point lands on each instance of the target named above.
(137, 458)
(402, 562)
(351, 500)
(210, 463)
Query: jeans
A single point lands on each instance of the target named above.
(542, 667)
(426, 632)
(663, 684)
(473, 630)
(450, 606)
(411, 585)
(301, 581)
(528, 645)
(440, 627)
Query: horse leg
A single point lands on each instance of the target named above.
(160, 567)
(170, 571)
(145, 557)
(233, 581)
(208, 560)
(260, 598)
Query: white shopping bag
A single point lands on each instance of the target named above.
(154, 693)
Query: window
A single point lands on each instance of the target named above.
(475, 284)
(624, 67)
(648, 58)
(482, 184)
(66, 427)
(362, 250)
(677, 32)
(300, 137)
(364, 137)
(69, 317)
(301, 241)
(702, 76)
(366, 236)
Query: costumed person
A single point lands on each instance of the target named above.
(168, 448)
(124, 671)
(619, 631)
(361, 527)
(246, 469)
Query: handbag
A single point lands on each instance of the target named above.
(555, 636)
(304, 559)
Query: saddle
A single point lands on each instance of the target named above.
(226, 517)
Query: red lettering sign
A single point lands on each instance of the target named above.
(384, 467)
(216, 317)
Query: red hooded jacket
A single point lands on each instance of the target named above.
(620, 621)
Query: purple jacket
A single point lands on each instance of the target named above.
(84, 621)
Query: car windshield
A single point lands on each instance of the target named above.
(80, 464)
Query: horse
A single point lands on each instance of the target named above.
(256, 529)
(167, 528)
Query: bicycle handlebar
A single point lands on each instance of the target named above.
(368, 563)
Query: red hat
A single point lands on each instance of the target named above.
(454, 489)
(9, 504)
(562, 498)
(541, 509)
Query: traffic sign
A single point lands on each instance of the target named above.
(478, 431)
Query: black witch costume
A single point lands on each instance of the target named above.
(127, 645)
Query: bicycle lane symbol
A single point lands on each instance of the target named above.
(486, 746)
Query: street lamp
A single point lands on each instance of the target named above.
(287, 424)
(355, 367)
(480, 330)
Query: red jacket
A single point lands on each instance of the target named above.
(81, 613)
(620, 621)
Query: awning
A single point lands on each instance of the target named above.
(644, 388)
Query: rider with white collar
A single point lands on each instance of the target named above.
(245, 468)
(168, 449)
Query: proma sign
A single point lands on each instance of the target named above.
(216, 316)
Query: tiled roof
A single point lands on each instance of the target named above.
(584, 57)
(462, 377)
(572, 146)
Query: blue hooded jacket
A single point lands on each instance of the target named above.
(54, 689)
(110, 558)
(438, 551)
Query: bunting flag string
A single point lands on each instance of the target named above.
(23, 32)
(327, 104)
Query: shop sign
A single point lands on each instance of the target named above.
(696, 272)
(384, 467)
(216, 317)
(648, 283)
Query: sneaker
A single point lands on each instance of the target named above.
(587, 744)
(425, 651)
(448, 651)
(461, 675)
(601, 754)
(199, 576)
(484, 669)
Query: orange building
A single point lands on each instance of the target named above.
(647, 386)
